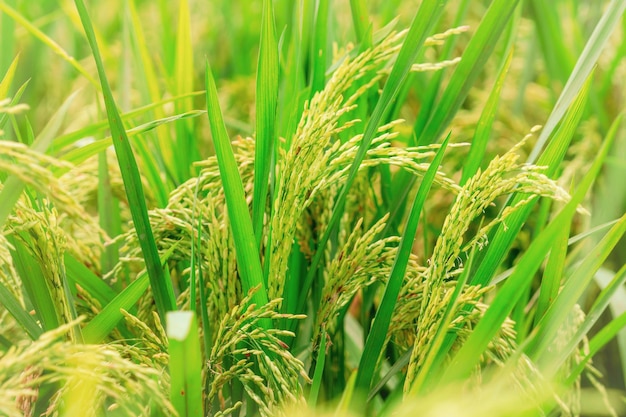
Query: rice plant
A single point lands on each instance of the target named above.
(229, 208)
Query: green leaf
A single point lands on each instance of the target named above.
(161, 287)
(248, 261)
(266, 102)
(185, 363)
(378, 333)
(319, 49)
(483, 128)
(21, 316)
(474, 58)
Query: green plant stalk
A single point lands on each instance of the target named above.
(551, 281)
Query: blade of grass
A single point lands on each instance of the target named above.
(474, 58)
(161, 287)
(266, 102)
(421, 26)
(100, 326)
(79, 274)
(248, 260)
(187, 150)
(185, 363)
(151, 82)
(67, 139)
(433, 87)
(78, 155)
(35, 287)
(378, 333)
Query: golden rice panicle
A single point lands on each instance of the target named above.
(504, 175)
(306, 161)
(104, 373)
(238, 340)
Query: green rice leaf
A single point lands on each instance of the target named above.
(21, 316)
(319, 50)
(483, 128)
(248, 261)
(78, 155)
(474, 58)
(185, 363)
(319, 371)
(361, 22)
(378, 333)
(161, 287)
(266, 102)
